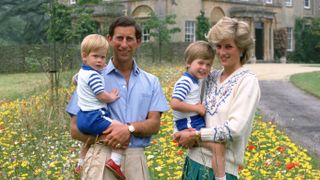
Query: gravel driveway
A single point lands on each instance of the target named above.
(296, 112)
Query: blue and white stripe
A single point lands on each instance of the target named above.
(90, 84)
(186, 89)
(95, 83)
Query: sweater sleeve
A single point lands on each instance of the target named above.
(241, 113)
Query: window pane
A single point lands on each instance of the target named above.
(190, 31)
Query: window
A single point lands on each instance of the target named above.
(307, 4)
(145, 35)
(268, 1)
(190, 31)
(289, 33)
(72, 1)
(288, 2)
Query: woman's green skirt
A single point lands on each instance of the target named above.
(195, 171)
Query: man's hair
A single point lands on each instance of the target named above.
(125, 21)
(94, 42)
(199, 50)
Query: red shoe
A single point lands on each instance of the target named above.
(110, 164)
(78, 169)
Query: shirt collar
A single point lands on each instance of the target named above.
(110, 67)
(194, 79)
(87, 67)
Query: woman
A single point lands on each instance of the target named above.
(231, 96)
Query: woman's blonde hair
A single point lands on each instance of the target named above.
(239, 31)
(199, 50)
(94, 42)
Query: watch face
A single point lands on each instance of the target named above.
(131, 128)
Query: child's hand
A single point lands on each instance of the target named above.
(114, 95)
(201, 110)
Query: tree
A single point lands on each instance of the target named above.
(161, 29)
(203, 26)
(30, 13)
(307, 38)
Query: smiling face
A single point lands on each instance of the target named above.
(95, 59)
(199, 68)
(124, 44)
(228, 54)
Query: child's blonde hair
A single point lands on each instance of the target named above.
(94, 42)
(199, 50)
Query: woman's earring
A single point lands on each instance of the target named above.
(241, 55)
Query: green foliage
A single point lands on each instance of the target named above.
(161, 29)
(316, 31)
(60, 23)
(84, 24)
(203, 26)
(84, 2)
(307, 38)
(23, 21)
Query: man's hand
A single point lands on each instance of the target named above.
(115, 134)
(186, 138)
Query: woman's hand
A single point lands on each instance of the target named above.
(186, 138)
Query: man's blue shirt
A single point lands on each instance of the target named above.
(143, 95)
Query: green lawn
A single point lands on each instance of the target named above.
(308, 82)
(22, 85)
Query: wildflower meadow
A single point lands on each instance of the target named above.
(35, 142)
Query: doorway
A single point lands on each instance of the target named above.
(259, 40)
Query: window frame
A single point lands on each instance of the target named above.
(190, 31)
(288, 3)
(289, 38)
(268, 1)
(308, 4)
(145, 35)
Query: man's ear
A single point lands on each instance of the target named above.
(139, 41)
(109, 38)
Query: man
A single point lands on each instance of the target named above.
(139, 108)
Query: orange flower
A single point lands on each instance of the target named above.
(251, 147)
(154, 142)
(281, 149)
(240, 168)
(278, 163)
(179, 152)
(292, 165)
(72, 149)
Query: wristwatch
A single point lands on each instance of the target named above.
(131, 128)
(198, 135)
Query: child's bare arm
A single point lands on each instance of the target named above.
(179, 105)
(108, 97)
(75, 79)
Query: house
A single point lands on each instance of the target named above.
(263, 16)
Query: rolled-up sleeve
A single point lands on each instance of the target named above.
(73, 108)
